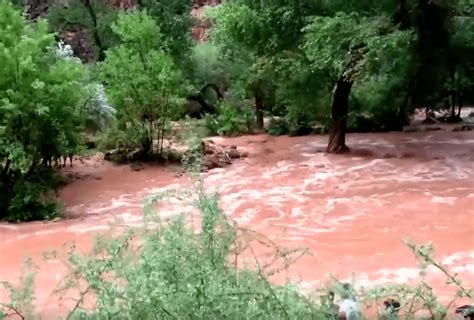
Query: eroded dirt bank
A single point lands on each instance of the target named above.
(352, 212)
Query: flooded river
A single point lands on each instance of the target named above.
(352, 212)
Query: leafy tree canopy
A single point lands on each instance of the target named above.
(42, 95)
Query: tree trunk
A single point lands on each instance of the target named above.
(453, 94)
(459, 111)
(259, 112)
(460, 104)
(453, 106)
(403, 118)
(147, 146)
(339, 109)
(402, 16)
(95, 31)
(6, 169)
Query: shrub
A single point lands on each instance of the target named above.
(375, 103)
(303, 99)
(230, 120)
(278, 127)
(99, 113)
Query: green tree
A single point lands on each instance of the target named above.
(428, 66)
(175, 21)
(460, 85)
(142, 81)
(347, 47)
(255, 34)
(41, 99)
(283, 65)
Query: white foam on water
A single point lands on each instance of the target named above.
(314, 230)
(464, 269)
(385, 276)
(86, 228)
(454, 258)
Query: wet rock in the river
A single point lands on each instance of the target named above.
(412, 128)
(429, 120)
(320, 129)
(136, 166)
(123, 156)
(234, 154)
(421, 128)
(407, 155)
(214, 156)
(134, 155)
(433, 128)
(388, 156)
(174, 156)
(111, 155)
(464, 127)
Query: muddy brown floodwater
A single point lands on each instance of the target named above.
(351, 211)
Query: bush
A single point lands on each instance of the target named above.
(375, 103)
(142, 82)
(303, 99)
(174, 20)
(42, 93)
(230, 120)
(179, 273)
(278, 127)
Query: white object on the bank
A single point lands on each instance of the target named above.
(350, 308)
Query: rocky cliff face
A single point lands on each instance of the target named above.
(36, 8)
(199, 32)
(80, 39)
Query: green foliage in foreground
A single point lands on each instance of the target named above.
(172, 272)
(178, 274)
